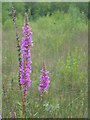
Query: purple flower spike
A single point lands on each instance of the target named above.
(44, 80)
(26, 56)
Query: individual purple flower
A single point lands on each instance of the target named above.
(44, 80)
(0, 117)
(26, 56)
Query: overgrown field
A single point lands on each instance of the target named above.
(61, 40)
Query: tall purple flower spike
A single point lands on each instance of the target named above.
(26, 56)
(44, 80)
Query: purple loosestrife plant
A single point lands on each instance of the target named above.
(26, 61)
(44, 80)
(18, 41)
(26, 56)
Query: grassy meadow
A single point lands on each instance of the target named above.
(61, 40)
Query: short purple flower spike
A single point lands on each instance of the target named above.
(26, 57)
(44, 80)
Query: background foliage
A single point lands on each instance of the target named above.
(37, 9)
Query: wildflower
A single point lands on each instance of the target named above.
(0, 117)
(26, 56)
(44, 80)
(18, 42)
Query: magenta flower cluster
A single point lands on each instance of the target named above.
(26, 57)
(44, 80)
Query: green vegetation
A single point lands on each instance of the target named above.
(40, 9)
(61, 39)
